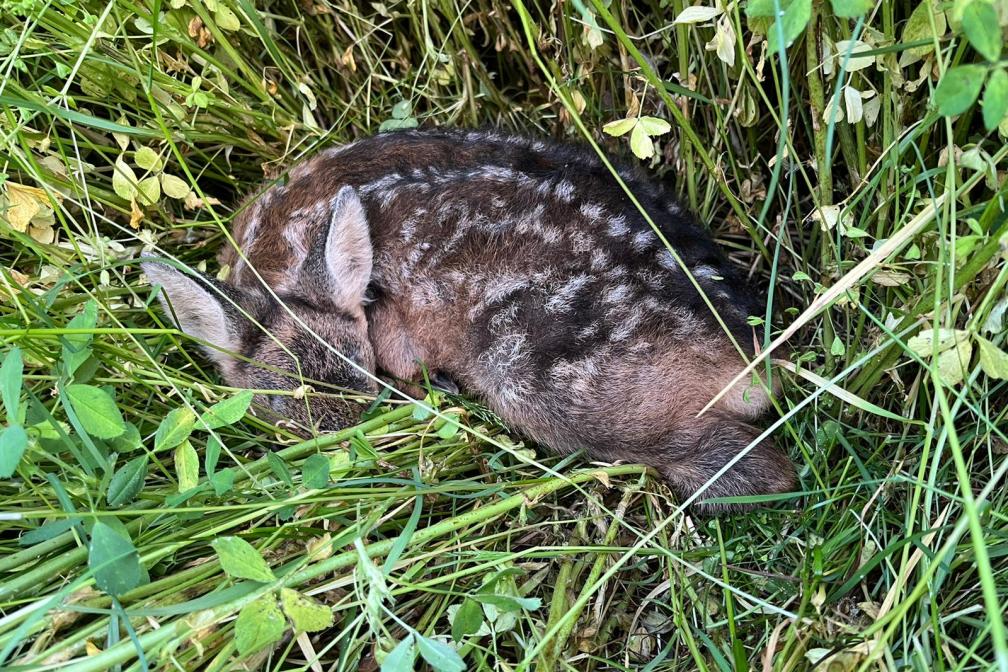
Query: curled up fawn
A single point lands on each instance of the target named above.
(518, 269)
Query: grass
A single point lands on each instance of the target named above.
(441, 533)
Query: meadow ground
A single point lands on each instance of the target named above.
(852, 164)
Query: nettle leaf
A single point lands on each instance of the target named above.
(995, 99)
(439, 655)
(226, 412)
(174, 187)
(993, 360)
(258, 625)
(640, 143)
(654, 126)
(980, 24)
(96, 410)
(13, 443)
(186, 466)
(174, 429)
(848, 9)
(959, 88)
(400, 659)
(305, 614)
(240, 560)
(77, 347)
(315, 472)
(127, 482)
(619, 127)
(467, 621)
(124, 180)
(10, 383)
(114, 560)
(147, 158)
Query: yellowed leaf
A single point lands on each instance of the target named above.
(136, 215)
(44, 234)
(23, 203)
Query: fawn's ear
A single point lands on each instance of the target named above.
(203, 308)
(347, 251)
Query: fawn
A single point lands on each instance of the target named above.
(516, 268)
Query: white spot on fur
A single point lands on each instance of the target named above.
(618, 227)
(617, 294)
(560, 302)
(592, 211)
(642, 240)
(564, 190)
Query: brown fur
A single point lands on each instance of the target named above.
(521, 271)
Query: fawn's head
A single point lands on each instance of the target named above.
(265, 342)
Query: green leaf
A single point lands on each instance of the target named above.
(619, 127)
(654, 126)
(211, 455)
(993, 360)
(13, 442)
(124, 181)
(953, 364)
(174, 429)
(315, 472)
(127, 482)
(305, 614)
(793, 21)
(226, 19)
(402, 110)
(640, 143)
(186, 467)
(174, 187)
(837, 349)
(10, 383)
(439, 655)
(240, 560)
(114, 560)
(147, 158)
(980, 24)
(995, 99)
(223, 481)
(77, 347)
(279, 468)
(226, 412)
(96, 410)
(128, 441)
(509, 602)
(468, 619)
(400, 659)
(450, 428)
(959, 88)
(758, 8)
(149, 190)
(397, 124)
(918, 27)
(258, 625)
(848, 9)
